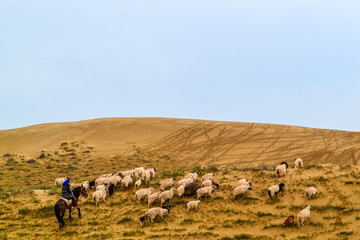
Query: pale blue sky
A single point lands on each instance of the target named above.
(285, 62)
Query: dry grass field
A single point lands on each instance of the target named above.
(32, 157)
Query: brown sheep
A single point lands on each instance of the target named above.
(191, 189)
(289, 220)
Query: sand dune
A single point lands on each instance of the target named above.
(191, 141)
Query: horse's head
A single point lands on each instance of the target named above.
(83, 191)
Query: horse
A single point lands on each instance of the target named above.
(61, 206)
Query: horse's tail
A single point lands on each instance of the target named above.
(57, 212)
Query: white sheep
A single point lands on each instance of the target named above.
(145, 177)
(86, 185)
(166, 183)
(106, 175)
(153, 198)
(138, 172)
(152, 172)
(298, 163)
(102, 187)
(166, 195)
(208, 176)
(180, 190)
(273, 190)
(99, 194)
(114, 180)
(311, 192)
(192, 205)
(241, 190)
(303, 216)
(204, 191)
(209, 183)
(138, 183)
(143, 193)
(60, 181)
(101, 181)
(126, 173)
(185, 181)
(154, 212)
(280, 170)
(243, 183)
(126, 181)
(192, 175)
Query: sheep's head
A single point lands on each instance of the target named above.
(281, 185)
(309, 207)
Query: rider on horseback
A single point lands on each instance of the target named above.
(67, 193)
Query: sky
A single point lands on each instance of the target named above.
(284, 62)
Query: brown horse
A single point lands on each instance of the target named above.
(61, 206)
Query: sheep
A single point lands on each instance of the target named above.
(280, 170)
(289, 221)
(273, 190)
(180, 190)
(303, 216)
(185, 181)
(153, 198)
(102, 187)
(207, 176)
(138, 172)
(192, 175)
(111, 189)
(191, 189)
(114, 180)
(154, 212)
(99, 194)
(143, 218)
(86, 185)
(142, 193)
(126, 173)
(60, 181)
(145, 177)
(285, 163)
(126, 181)
(168, 207)
(92, 183)
(209, 183)
(241, 190)
(138, 183)
(192, 205)
(152, 172)
(166, 183)
(311, 192)
(245, 182)
(101, 181)
(204, 191)
(166, 195)
(298, 163)
(106, 175)
(238, 184)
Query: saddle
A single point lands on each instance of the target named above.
(68, 201)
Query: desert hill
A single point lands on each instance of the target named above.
(190, 141)
(31, 158)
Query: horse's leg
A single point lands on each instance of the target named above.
(79, 213)
(62, 217)
(70, 213)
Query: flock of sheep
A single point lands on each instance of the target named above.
(187, 186)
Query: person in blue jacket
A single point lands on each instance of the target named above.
(67, 193)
